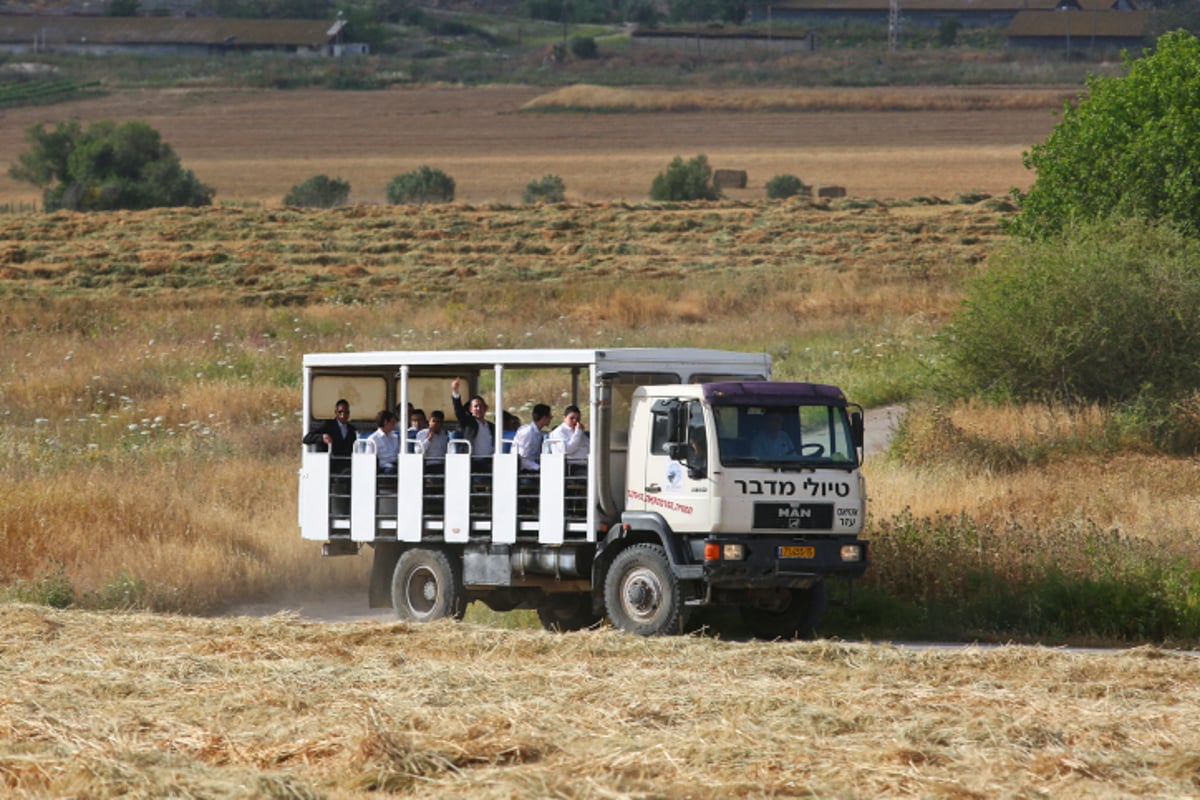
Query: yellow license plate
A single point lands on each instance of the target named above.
(794, 551)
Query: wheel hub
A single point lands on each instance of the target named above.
(643, 594)
(422, 591)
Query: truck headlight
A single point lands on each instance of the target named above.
(851, 553)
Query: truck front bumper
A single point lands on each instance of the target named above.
(751, 562)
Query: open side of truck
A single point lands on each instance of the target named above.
(674, 506)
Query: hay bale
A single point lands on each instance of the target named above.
(831, 191)
(729, 178)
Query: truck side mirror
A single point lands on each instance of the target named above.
(856, 428)
(676, 420)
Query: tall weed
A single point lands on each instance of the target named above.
(1058, 580)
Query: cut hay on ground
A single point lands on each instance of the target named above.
(108, 705)
(583, 97)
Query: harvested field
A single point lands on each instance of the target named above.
(107, 705)
(360, 252)
(253, 146)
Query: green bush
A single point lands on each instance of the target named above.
(1130, 147)
(52, 588)
(584, 47)
(1102, 312)
(682, 181)
(548, 189)
(319, 191)
(106, 167)
(783, 186)
(422, 185)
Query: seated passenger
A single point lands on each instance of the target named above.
(416, 422)
(570, 437)
(336, 435)
(434, 439)
(387, 444)
(772, 442)
(527, 443)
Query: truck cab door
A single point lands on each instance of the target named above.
(675, 480)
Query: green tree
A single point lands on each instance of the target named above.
(734, 11)
(691, 180)
(547, 189)
(319, 191)
(643, 12)
(275, 9)
(1129, 148)
(947, 33)
(122, 8)
(570, 11)
(422, 185)
(106, 167)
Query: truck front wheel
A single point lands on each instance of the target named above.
(425, 587)
(786, 613)
(641, 592)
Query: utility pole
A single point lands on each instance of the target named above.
(893, 25)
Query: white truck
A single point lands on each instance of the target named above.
(705, 484)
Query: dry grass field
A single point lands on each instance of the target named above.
(254, 146)
(133, 705)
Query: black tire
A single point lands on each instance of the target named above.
(426, 587)
(794, 614)
(641, 592)
(567, 612)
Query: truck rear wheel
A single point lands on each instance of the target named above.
(425, 587)
(567, 612)
(641, 592)
(790, 613)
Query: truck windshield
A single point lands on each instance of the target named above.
(784, 436)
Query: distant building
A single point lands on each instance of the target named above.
(172, 35)
(1079, 29)
(920, 13)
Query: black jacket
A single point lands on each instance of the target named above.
(342, 446)
(470, 426)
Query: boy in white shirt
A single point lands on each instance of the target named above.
(570, 437)
(387, 443)
(528, 442)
